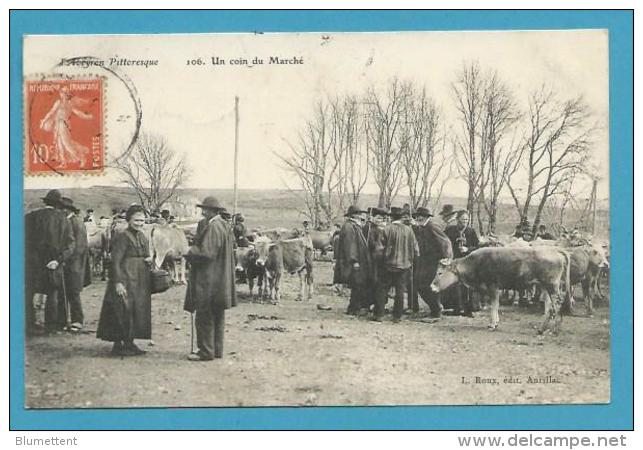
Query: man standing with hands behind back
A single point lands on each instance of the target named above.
(49, 242)
(211, 288)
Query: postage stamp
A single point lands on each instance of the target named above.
(64, 126)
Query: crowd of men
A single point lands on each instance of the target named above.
(378, 250)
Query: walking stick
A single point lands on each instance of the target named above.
(65, 300)
(192, 333)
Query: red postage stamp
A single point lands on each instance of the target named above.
(64, 126)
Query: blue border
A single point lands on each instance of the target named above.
(617, 415)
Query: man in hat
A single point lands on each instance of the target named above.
(434, 245)
(89, 217)
(448, 216)
(211, 288)
(239, 230)
(374, 239)
(352, 262)
(544, 234)
(464, 240)
(400, 250)
(49, 242)
(76, 269)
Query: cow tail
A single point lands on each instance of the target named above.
(308, 258)
(151, 244)
(568, 287)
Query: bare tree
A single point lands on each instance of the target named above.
(422, 149)
(154, 170)
(468, 91)
(309, 160)
(556, 147)
(356, 155)
(384, 114)
(328, 159)
(501, 158)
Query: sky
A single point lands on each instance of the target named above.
(193, 105)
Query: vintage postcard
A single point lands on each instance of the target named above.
(317, 219)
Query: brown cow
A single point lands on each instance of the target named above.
(322, 240)
(489, 269)
(292, 256)
(247, 264)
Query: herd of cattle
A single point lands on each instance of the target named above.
(543, 268)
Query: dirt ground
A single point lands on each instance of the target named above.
(296, 354)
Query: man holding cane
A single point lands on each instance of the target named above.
(211, 288)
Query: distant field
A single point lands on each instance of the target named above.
(271, 208)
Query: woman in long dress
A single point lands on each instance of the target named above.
(127, 308)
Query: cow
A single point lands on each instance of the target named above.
(96, 242)
(290, 255)
(168, 245)
(487, 270)
(586, 263)
(322, 240)
(247, 265)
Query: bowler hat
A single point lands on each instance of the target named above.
(353, 209)
(397, 212)
(211, 202)
(423, 212)
(68, 203)
(447, 210)
(379, 212)
(53, 197)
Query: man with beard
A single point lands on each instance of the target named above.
(464, 240)
(211, 289)
(49, 242)
(352, 262)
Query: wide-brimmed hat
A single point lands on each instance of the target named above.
(447, 210)
(67, 203)
(212, 203)
(53, 197)
(354, 209)
(423, 212)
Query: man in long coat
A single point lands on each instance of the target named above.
(77, 273)
(434, 245)
(211, 288)
(374, 232)
(352, 262)
(49, 242)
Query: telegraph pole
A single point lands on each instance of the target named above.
(236, 149)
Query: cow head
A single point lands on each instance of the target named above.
(599, 256)
(262, 249)
(445, 276)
